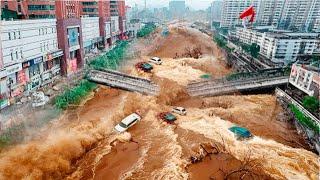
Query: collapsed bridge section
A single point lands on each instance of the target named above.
(123, 81)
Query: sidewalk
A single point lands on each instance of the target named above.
(22, 111)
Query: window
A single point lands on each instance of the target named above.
(19, 7)
(9, 34)
(41, 47)
(14, 35)
(11, 54)
(19, 35)
(21, 56)
(89, 3)
(17, 55)
(41, 7)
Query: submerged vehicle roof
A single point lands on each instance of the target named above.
(241, 131)
(129, 118)
(147, 66)
(170, 117)
(155, 58)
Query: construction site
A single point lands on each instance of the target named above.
(81, 142)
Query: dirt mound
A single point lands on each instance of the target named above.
(181, 38)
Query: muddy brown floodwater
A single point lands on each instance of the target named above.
(81, 143)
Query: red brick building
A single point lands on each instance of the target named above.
(69, 35)
(17, 6)
(122, 18)
(40, 9)
(90, 8)
(104, 22)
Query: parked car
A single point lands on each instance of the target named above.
(127, 122)
(156, 60)
(179, 110)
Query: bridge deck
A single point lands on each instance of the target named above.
(212, 89)
(123, 81)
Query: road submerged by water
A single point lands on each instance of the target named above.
(81, 143)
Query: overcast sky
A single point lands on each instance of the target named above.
(194, 4)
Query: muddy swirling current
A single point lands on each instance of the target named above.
(81, 144)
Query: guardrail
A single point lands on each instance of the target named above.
(280, 93)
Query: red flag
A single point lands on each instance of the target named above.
(248, 12)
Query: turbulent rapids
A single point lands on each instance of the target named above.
(81, 143)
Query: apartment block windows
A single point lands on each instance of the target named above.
(41, 7)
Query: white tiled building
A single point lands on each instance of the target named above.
(300, 15)
(280, 46)
(90, 33)
(231, 10)
(31, 57)
(215, 14)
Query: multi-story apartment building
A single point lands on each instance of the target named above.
(281, 46)
(216, 11)
(270, 12)
(297, 15)
(177, 8)
(231, 10)
(31, 57)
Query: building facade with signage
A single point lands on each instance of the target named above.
(27, 48)
(90, 34)
(70, 36)
(306, 79)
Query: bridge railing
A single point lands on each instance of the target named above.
(281, 93)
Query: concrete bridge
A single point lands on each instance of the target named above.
(215, 88)
(123, 81)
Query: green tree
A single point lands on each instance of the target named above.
(311, 103)
(220, 41)
(146, 30)
(254, 50)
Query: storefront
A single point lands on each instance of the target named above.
(74, 49)
(4, 92)
(35, 69)
(51, 67)
(15, 88)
